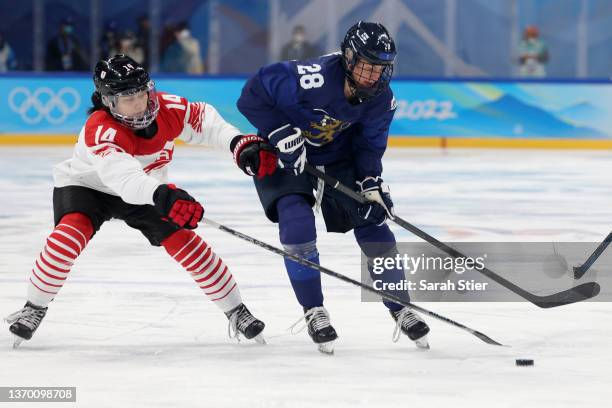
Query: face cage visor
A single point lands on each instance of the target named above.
(134, 122)
(366, 73)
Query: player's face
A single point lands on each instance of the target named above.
(132, 105)
(366, 74)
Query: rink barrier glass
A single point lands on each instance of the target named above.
(431, 275)
(47, 109)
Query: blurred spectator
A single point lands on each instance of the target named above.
(183, 55)
(143, 38)
(109, 40)
(7, 56)
(126, 44)
(533, 54)
(298, 48)
(64, 53)
(167, 38)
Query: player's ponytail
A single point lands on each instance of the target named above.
(96, 100)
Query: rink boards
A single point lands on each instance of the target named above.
(51, 108)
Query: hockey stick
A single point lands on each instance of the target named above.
(344, 278)
(573, 295)
(579, 271)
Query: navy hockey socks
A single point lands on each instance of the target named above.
(298, 236)
(379, 241)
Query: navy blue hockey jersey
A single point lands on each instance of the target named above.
(310, 95)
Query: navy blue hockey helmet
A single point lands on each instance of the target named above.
(121, 76)
(372, 44)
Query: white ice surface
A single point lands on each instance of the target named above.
(130, 329)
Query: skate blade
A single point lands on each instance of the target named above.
(17, 341)
(422, 343)
(260, 339)
(326, 348)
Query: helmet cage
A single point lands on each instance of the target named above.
(368, 48)
(355, 76)
(134, 122)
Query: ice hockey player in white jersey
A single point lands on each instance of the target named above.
(119, 170)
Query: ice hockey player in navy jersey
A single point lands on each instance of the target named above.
(119, 170)
(334, 112)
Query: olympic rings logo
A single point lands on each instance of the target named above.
(44, 103)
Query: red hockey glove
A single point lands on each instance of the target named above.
(255, 156)
(176, 204)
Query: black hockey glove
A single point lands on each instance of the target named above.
(178, 206)
(254, 155)
(380, 205)
(291, 150)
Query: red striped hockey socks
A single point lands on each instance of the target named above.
(205, 267)
(63, 246)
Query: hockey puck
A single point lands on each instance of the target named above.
(521, 362)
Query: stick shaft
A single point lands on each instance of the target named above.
(575, 294)
(581, 270)
(344, 278)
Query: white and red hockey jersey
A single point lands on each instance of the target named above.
(110, 158)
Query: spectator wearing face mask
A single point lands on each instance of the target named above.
(533, 54)
(183, 55)
(298, 48)
(7, 56)
(64, 52)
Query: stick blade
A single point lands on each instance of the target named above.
(576, 294)
(486, 338)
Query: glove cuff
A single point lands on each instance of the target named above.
(370, 183)
(243, 142)
(287, 139)
(160, 197)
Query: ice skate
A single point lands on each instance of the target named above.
(242, 322)
(25, 322)
(319, 328)
(412, 325)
